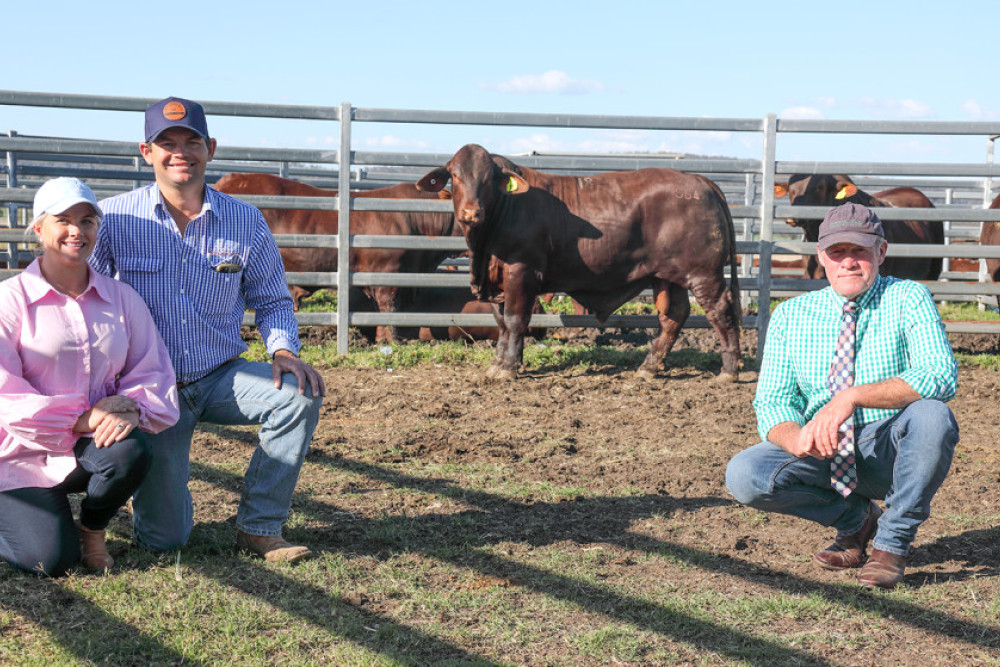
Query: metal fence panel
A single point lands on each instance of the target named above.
(748, 184)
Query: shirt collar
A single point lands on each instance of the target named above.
(868, 298)
(156, 199)
(36, 287)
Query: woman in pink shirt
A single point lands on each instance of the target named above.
(83, 372)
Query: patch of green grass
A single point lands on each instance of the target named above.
(974, 520)
(612, 643)
(320, 301)
(988, 361)
(960, 310)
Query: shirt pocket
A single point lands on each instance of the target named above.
(143, 274)
(217, 293)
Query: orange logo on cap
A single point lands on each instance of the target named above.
(174, 111)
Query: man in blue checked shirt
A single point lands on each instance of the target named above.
(199, 258)
(904, 434)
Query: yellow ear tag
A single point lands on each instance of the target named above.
(512, 185)
(842, 193)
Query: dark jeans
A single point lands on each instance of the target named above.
(37, 533)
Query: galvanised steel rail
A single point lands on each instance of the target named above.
(759, 209)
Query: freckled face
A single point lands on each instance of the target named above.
(852, 269)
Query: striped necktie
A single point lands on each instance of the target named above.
(843, 469)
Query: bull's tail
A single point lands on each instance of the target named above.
(734, 281)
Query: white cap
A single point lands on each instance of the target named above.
(60, 194)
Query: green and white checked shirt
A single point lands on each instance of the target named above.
(899, 334)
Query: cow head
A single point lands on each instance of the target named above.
(478, 181)
(815, 190)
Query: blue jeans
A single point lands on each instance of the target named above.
(37, 533)
(237, 393)
(902, 459)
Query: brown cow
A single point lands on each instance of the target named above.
(990, 235)
(386, 299)
(836, 189)
(601, 239)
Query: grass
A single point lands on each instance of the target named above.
(443, 563)
(444, 600)
(548, 356)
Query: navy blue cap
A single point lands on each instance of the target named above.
(175, 112)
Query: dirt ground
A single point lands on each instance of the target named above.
(605, 430)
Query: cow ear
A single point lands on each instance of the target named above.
(444, 194)
(514, 184)
(434, 181)
(780, 189)
(847, 190)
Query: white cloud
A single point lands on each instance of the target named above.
(904, 109)
(386, 141)
(906, 150)
(391, 141)
(328, 140)
(553, 81)
(976, 111)
(623, 141)
(801, 113)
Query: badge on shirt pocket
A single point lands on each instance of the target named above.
(225, 256)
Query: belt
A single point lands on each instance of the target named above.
(181, 385)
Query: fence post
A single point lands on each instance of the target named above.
(137, 165)
(746, 260)
(766, 232)
(949, 195)
(984, 274)
(12, 209)
(344, 228)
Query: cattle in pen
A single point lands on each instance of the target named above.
(836, 189)
(602, 239)
(386, 299)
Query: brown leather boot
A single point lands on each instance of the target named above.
(883, 569)
(94, 549)
(272, 549)
(849, 550)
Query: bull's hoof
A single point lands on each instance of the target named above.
(502, 374)
(725, 377)
(646, 373)
(491, 372)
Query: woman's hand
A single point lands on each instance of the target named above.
(111, 419)
(115, 427)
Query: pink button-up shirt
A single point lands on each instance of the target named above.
(58, 357)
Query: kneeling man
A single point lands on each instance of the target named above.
(851, 405)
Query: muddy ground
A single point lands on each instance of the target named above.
(668, 441)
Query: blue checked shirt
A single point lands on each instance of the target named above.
(899, 334)
(198, 310)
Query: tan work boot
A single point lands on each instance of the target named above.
(273, 549)
(94, 549)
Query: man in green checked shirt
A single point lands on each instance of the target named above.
(904, 434)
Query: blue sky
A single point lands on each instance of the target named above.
(890, 61)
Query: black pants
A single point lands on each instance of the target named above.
(37, 533)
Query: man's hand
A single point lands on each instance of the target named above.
(820, 436)
(286, 362)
